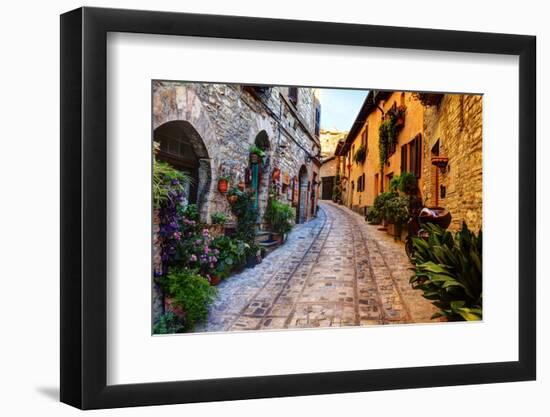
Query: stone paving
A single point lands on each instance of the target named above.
(333, 271)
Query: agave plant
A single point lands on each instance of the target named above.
(448, 270)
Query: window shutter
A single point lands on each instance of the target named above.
(418, 171)
(404, 158)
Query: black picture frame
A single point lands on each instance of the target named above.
(84, 207)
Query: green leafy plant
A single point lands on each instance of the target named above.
(374, 216)
(396, 209)
(219, 218)
(448, 270)
(166, 180)
(168, 323)
(232, 255)
(247, 215)
(257, 151)
(380, 204)
(406, 183)
(191, 292)
(387, 133)
(360, 155)
(280, 216)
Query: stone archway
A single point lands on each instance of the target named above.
(183, 148)
(176, 103)
(303, 190)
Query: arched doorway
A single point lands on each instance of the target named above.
(260, 173)
(182, 147)
(303, 190)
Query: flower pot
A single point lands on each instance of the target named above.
(215, 280)
(278, 237)
(232, 199)
(251, 261)
(223, 185)
(254, 158)
(216, 230)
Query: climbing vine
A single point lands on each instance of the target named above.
(388, 131)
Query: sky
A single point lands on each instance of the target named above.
(339, 108)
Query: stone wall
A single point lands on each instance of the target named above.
(228, 118)
(457, 123)
(329, 139)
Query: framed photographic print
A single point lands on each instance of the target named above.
(255, 208)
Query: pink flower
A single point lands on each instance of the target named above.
(205, 232)
(193, 258)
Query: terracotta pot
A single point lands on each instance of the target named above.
(215, 280)
(223, 185)
(232, 199)
(276, 174)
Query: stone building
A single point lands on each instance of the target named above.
(329, 142)
(453, 133)
(446, 127)
(207, 130)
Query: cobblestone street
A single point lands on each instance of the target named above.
(335, 270)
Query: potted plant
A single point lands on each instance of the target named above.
(256, 154)
(241, 186)
(397, 213)
(280, 217)
(360, 155)
(219, 220)
(233, 195)
(253, 257)
(214, 279)
(223, 183)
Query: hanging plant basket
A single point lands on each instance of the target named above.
(223, 185)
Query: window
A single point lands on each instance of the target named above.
(293, 95)
(317, 121)
(361, 183)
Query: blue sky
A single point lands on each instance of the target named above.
(340, 107)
